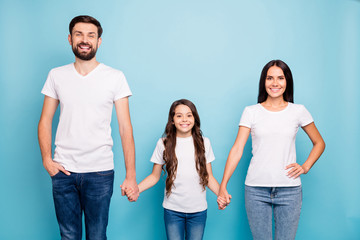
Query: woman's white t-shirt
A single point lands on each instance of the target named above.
(273, 143)
(187, 194)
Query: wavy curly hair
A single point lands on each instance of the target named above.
(169, 139)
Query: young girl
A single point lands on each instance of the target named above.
(187, 157)
(272, 185)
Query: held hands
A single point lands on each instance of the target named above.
(132, 196)
(130, 189)
(223, 198)
(296, 170)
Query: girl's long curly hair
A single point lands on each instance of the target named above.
(169, 139)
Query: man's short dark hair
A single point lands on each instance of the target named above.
(85, 19)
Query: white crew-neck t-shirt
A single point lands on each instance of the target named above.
(273, 143)
(187, 194)
(83, 138)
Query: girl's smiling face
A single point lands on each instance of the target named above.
(275, 82)
(183, 120)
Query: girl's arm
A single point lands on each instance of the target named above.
(147, 183)
(152, 179)
(213, 184)
(232, 161)
(316, 151)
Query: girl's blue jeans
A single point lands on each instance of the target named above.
(189, 225)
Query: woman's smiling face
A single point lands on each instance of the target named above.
(275, 82)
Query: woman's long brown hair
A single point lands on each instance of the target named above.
(169, 155)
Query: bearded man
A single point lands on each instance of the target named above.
(82, 167)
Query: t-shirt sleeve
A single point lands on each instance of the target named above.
(209, 154)
(157, 156)
(305, 117)
(122, 88)
(49, 87)
(246, 118)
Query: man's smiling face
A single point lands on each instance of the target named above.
(84, 40)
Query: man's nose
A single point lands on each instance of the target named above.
(85, 39)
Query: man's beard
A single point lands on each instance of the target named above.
(84, 56)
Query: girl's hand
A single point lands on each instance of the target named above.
(223, 198)
(221, 203)
(131, 194)
(296, 170)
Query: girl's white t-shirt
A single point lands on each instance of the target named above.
(273, 143)
(187, 194)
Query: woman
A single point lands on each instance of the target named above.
(272, 185)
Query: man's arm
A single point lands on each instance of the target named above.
(44, 135)
(128, 145)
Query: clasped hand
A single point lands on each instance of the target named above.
(223, 199)
(130, 189)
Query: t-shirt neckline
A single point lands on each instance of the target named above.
(183, 139)
(283, 110)
(87, 75)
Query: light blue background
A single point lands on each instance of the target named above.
(210, 52)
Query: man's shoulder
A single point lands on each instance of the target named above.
(61, 72)
(66, 67)
(107, 68)
(110, 73)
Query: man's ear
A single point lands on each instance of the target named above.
(69, 39)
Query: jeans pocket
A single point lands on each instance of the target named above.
(56, 174)
(105, 173)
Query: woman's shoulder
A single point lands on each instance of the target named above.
(252, 108)
(296, 107)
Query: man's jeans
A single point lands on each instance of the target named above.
(178, 224)
(285, 202)
(83, 192)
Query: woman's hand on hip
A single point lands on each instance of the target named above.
(296, 170)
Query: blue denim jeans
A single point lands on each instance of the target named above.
(79, 193)
(284, 202)
(189, 225)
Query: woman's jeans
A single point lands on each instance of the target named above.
(284, 202)
(83, 192)
(179, 224)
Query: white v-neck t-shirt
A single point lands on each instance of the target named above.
(83, 137)
(187, 194)
(273, 143)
